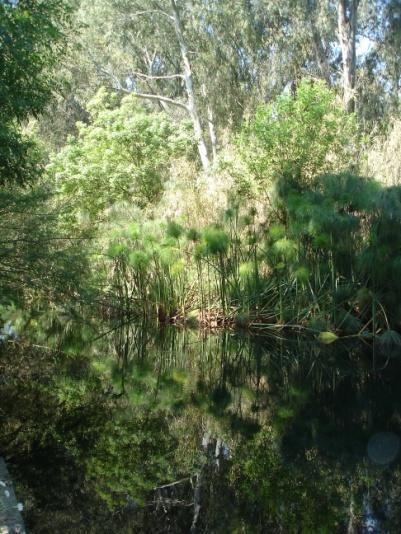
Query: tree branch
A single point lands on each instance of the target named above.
(147, 11)
(148, 96)
(160, 98)
(186, 479)
(154, 77)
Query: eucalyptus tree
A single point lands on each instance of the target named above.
(165, 54)
(347, 31)
(390, 47)
(150, 57)
(370, 40)
(217, 60)
(379, 75)
(214, 61)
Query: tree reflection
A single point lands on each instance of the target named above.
(172, 429)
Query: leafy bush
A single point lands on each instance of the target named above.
(297, 138)
(122, 155)
(305, 257)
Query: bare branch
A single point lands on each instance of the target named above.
(186, 479)
(149, 11)
(148, 96)
(158, 97)
(154, 77)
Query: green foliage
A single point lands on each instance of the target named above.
(216, 240)
(390, 339)
(122, 155)
(174, 230)
(31, 41)
(307, 259)
(296, 138)
(327, 337)
(193, 235)
(132, 456)
(39, 263)
(148, 267)
(333, 263)
(283, 495)
(285, 248)
(317, 249)
(139, 260)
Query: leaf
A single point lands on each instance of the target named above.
(327, 337)
(390, 338)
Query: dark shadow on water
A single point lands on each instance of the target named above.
(127, 433)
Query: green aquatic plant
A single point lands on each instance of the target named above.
(216, 240)
(174, 230)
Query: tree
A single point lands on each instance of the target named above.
(31, 40)
(159, 43)
(189, 87)
(37, 261)
(391, 48)
(380, 87)
(166, 52)
(293, 140)
(32, 254)
(347, 31)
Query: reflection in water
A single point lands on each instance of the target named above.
(383, 448)
(174, 430)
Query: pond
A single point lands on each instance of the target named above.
(139, 429)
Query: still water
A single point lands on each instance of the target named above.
(175, 430)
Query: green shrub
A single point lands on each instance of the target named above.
(295, 139)
(123, 154)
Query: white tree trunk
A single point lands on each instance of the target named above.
(347, 25)
(189, 87)
(210, 122)
(212, 131)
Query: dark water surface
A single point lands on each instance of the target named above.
(174, 430)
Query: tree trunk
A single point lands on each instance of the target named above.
(320, 52)
(347, 25)
(321, 57)
(212, 131)
(189, 87)
(210, 121)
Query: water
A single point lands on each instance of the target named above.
(170, 430)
